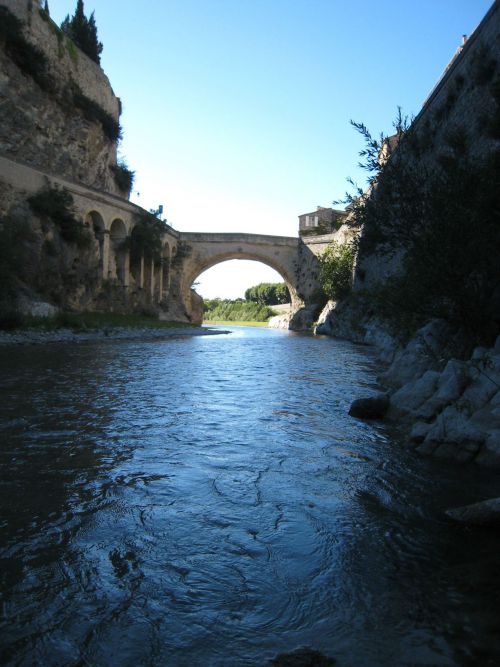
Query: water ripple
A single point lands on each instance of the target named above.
(209, 502)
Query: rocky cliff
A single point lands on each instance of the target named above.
(427, 282)
(58, 111)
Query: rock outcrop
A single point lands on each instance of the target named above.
(43, 121)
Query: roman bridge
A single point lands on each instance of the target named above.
(165, 283)
(198, 252)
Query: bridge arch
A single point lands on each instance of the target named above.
(200, 252)
(192, 276)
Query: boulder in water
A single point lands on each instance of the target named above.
(371, 407)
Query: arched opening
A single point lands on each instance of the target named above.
(232, 280)
(94, 221)
(136, 259)
(157, 280)
(119, 253)
(165, 282)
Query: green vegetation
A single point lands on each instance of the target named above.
(445, 219)
(94, 113)
(72, 50)
(57, 205)
(88, 322)
(227, 310)
(83, 32)
(31, 60)
(124, 177)
(146, 238)
(45, 12)
(237, 323)
(269, 294)
(336, 269)
(15, 238)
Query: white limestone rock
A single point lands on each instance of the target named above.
(324, 326)
(454, 425)
(490, 451)
(450, 387)
(423, 353)
(483, 513)
(462, 452)
(419, 432)
(484, 372)
(33, 308)
(412, 394)
(279, 322)
(384, 343)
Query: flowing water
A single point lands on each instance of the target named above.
(208, 501)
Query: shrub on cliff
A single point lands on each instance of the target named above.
(56, 204)
(146, 238)
(83, 31)
(124, 177)
(31, 60)
(336, 269)
(94, 113)
(441, 213)
(15, 238)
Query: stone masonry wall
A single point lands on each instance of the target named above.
(45, 130)
(461, 103)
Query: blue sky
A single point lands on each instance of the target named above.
(236, 112)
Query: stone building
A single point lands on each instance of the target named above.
(321, 221)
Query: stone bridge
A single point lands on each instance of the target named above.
(166, 284)
(198, 252)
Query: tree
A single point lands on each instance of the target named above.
(269, 294)
(83, 31)
(336, 269)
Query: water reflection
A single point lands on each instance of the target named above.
(209, 502)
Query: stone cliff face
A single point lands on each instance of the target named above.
(44, 128)
(442, 384)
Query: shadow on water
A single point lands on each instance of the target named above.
(208, 501)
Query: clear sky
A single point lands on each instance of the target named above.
(236, 112)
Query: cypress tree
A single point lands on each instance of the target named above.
(83, 31)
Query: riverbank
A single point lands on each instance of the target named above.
(236, 323)
(80, 327)
(446, 398)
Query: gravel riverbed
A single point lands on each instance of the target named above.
(35, 337)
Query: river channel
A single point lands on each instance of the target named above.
(207, 501)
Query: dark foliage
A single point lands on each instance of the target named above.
(146, 238)
(269, 294)
(56, 204)
(484, 66)
(94, 113)
(446, 221)
(31, 60)
(15, 237)
(124, 177)
(83, 32)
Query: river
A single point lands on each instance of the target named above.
(207, 501)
